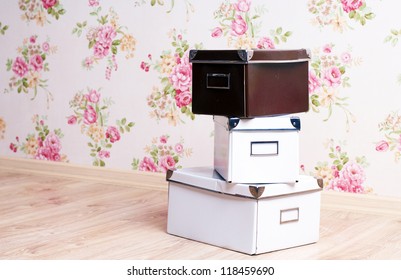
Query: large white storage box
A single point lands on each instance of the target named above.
(259, 150)
(251, 219)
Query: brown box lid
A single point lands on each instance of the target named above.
(248, 56)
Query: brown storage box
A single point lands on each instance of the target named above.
(249, 83)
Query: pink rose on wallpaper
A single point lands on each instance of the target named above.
(351, 5)
(93, 3)
(113, 134)
(349, 179)
(49, 3)
(382, 146)
(49, 149)
(333, 76)
(217, 32)
(314, 82)
(265, 43)
(105, 35)
(238, 26)
(145, 66)
(72, 119)
(53, 143)
(181, 75)
(90, 115)
(93, 96)
(104, 154)
(100, 51)
(242, 5)
(183, 98)
(147, 164)
(346, 57)
(13, 147)
(354, 173)
(179, 148)
(163, 139)
(46, 47)
(20, 68)
(335, 172)
(36, 62)
(327, 48)
(166, 163)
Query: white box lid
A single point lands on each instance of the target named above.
(283, 122)
(207, 178)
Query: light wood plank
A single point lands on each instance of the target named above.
(44, 216)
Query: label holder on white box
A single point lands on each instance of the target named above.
(264, 148)
(289, 215)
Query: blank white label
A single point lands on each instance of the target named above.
(289, 215)
(264, 148)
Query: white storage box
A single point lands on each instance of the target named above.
(259, 150)
(249, 219)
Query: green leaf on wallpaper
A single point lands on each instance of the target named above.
(153, 2)
(288, 34)
(102, 163)
(135, 163)
(279, 30)
(3, 29)
(131, 124)
(154, 153)
(90, 144)
(103, 19)
(352, 14)
(82, 25)
(315, 102)
(91, 44)
(9, 64)
(388, 38)
(114, 49)
(369, 15)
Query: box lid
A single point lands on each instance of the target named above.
(249, 56)
(207, 178)
(260, 123)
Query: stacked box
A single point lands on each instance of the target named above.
(251, 219)
(259, 150)
(249, 83)
(253, 199)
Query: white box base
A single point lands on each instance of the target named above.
(250, 225)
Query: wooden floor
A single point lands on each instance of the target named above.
(49, 217)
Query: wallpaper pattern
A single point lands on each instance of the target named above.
(108, 83)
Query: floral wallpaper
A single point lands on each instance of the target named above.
(108, 83)
(28, 67)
